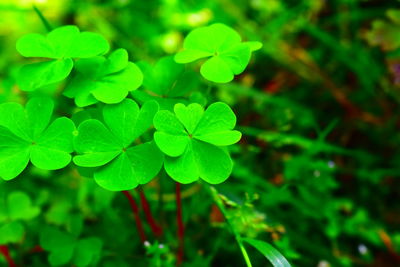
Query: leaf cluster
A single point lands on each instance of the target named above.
(30, 135)
(226, 54)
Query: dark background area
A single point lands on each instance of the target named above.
(317, 170)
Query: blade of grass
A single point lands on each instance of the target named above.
(271, 253)
(283, 139)
(214, 194)
(43, 19)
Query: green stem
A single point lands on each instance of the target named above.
(43, 19)
(218, 201)
(244, 252)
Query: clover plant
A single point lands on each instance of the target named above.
(120, 142)
(14, 210)
(64, 248)
(193, 140)
(19, 206)
(104, 79)
(27, 135)
(168, 83)
(226, 55)
(59, 47)
(108, 146)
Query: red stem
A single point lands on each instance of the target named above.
(181, 228)
(135, 211)
(6, 253)
(157, 230)
(36, 249)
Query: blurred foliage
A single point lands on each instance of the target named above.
(316, 173)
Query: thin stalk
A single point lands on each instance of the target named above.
(36, 249)
(6, 253)
(181, 227)
(157, 230)
(217, 199)
(135, 211)
(43, 19)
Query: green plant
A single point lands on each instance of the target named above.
(61, 45)
(113, 141)
(65, 247)
(106, 80)
(228, 56)
(121, 166)
(193, 140)
(27, 136)
(168, 83)
(315, 173)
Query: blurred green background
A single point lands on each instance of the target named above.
(317, 171)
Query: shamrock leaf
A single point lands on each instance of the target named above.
(20, 206)
(193, 138)
(106, 80)
(87, 251)
(64, 248)
(37, 75)
(59, 212)
(166, 82)
(109, 146)
(11, 232)
(60, 45)
(26, 135)
(228, 56)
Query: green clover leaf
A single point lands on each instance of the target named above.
(227, 55)
(60, 45)
(59, 212)
(109, 146)
(65, 248)
(26, 135)
(167, 82)
(106, 80)
(12, 232)
(167, 78)
(88, 251)
(193, 139)
(19, 206)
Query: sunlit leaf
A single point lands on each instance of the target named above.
(271, 253)
(227, 55)
(192, 139)
(122, 166)
(26, 135)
